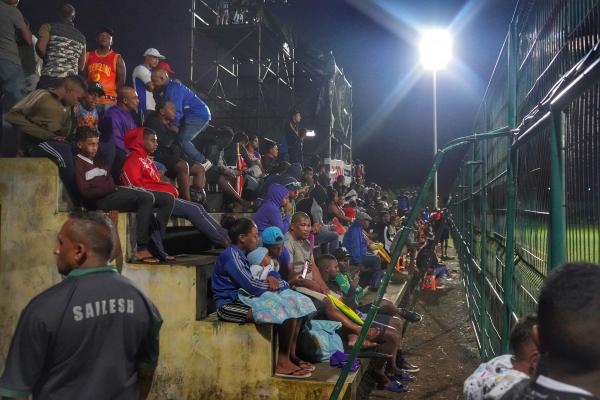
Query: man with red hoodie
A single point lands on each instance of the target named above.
(139, 170)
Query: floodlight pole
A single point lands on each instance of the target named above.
(435, 145)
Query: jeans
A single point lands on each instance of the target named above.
(201, 220)
(12, 83)
(372, 263)
(328, 240)
(188, 132)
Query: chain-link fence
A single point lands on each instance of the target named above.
(523, 204)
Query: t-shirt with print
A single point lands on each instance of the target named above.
(11, 20)
(84, 338)
(87, 117)
(66, 45)
(496, 375)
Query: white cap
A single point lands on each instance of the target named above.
(153, 52)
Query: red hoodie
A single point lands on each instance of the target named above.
(139, 170)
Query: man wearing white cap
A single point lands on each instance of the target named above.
(143, 83)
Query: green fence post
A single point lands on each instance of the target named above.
(511, 193)
(483, 250)
(557, 245)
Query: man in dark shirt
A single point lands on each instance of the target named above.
(568, 322)
(92, 336)
(62, 47)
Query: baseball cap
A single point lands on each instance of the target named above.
(363, 215)
(164, 65)
(95, 87)
(256, 256)
(272, 235)
(291, 183)
(153, 52)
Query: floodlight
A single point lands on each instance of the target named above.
(436, 49)
(310, 133)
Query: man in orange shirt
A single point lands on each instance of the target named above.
(107, 67)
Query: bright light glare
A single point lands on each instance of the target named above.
(436, 49)
(310, 133)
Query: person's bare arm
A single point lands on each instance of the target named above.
(41, 46)
(121, 71)
(145, 378)
(82, 60)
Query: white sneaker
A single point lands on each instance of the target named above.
(206, 164)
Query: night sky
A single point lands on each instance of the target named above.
(375, 42)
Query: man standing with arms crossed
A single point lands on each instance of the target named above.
(92, 336)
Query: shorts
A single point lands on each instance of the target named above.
(234, 312)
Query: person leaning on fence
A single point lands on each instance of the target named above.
(94, 335)
(233, 285)
(567, 337)
(494, 378)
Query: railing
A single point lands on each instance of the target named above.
(527, 196)
(523, 204)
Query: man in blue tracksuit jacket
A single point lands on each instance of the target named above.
(192, 114)
(358, 247)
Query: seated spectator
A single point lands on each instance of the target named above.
(568, 322)
(273, 239)
(269, 213)
(325, 235)
(97, 188)
(384, 370)
(140, 171)
(334, 208)
(45, 117)
(86, 113)
(308, 174)
(231, 274)
(389, 232)
(300, 252)
(221, 174)
(269, 158)
(340, 185)
(495, 377)
(324, 177)
(357, 244)
(170, 155)
(252, 149)
(192, 114)
(117, 120)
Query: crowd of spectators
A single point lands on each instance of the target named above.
(314, 248)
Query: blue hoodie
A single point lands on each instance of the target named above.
(187, 104)
(232, 272)
(355, 242)
(269, 214)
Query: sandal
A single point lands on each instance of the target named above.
(170, 258)
(299, 373)
(146, 260)
(305, 365)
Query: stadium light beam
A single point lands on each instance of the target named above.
(436, 53)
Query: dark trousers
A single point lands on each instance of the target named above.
(373, 272)
(142, 202)
(201, 220)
